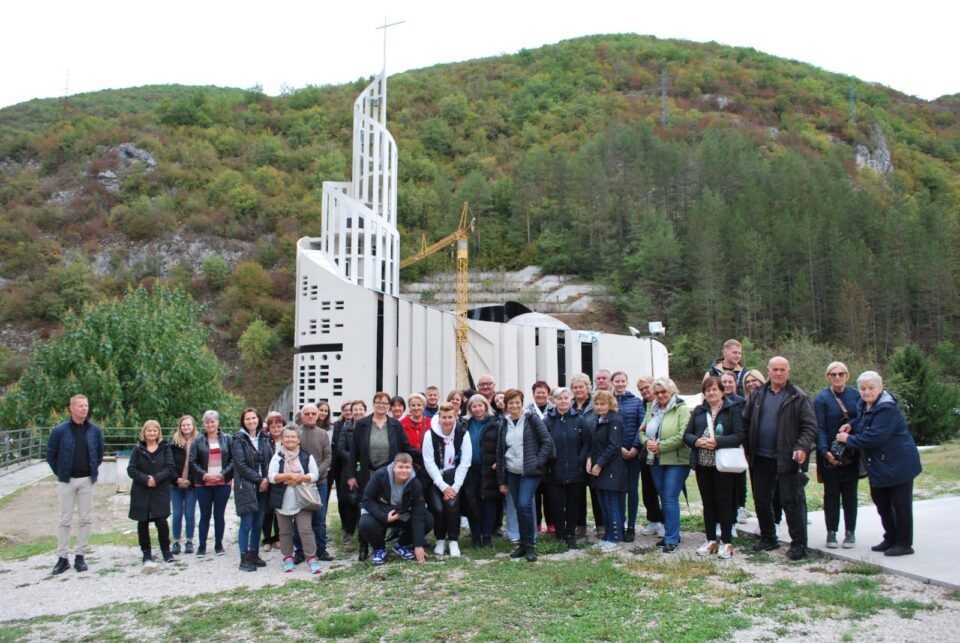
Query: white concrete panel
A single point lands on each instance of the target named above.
(449, 325)
(418, 347)
(622, 353)
(433, 348)
(547, 367)
(404, 365)
(390, 344)
(484, 353)
(572, 357)
(526, 358)
(508, 375)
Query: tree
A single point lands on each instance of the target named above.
(931, 406)
(137, 358)
(257, 343)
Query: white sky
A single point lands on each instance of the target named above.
(98, 44)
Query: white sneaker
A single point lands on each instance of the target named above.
(708, 548)
(661, 532)
(606, 545)
(726, 551)
(654, 528)
(454, 549)
(742, 515)
(440, 548)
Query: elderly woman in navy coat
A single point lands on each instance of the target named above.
(881, 432)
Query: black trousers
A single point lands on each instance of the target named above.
(840, 486)
(765, 479)
(471, 503)
(741, 489)
(895, 506)
(271, 528)
(565, 502)
(446, 513)
(718, 491)
(648, 491)
(349, 512)
(373, 531)
(163, 534)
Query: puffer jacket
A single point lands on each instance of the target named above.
(730, 436)
(606, 440)
(673, 451)
(150, 503)
(537, 447)
(631, 412)
(250, 466)
(571, 444)
(489, 438)
(881, 433)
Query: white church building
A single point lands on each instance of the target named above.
(356, 335)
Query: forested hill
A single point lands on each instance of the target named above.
(768, 204)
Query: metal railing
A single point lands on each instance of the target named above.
(21, 447)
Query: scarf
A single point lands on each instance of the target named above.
(291, 460)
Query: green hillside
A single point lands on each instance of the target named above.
(745, 215)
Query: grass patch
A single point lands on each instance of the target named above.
(861, 568)
(343, 625)
(22, 551)
(852, 598)
(11, 634)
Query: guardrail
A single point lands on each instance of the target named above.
(21, 447)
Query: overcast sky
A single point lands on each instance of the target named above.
(49, 47)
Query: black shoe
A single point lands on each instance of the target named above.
(80, 564)
(519, 552)
(346, 539)
(147, 557)
(498, 532)
(324, 555)
(201, 551)
(364, 552)
(766, 544)
(63, 564)
(898, 550)
(218, 549)
(884, 546)
(477, 542)
(255, 558)
(669, 548)
(175, 549)
(572, 543)
(486, 541)
(660, 543)
(188, 548)
(797, 552)
(245, 563)
(167, 556)
(629, 535)
(298, 557)
(531, 555)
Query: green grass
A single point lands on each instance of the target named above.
(22, 551)
(596, 597)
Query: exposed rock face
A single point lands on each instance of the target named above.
(110, 181)
(877, 160)
(130, 153)
(721, 102)
(166, 253)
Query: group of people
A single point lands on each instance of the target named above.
(511, 468)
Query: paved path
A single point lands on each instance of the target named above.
(23, 477)
(935, 526)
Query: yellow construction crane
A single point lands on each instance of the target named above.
(460, 236)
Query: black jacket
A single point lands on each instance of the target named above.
(571, 447)
(537, 448)
(336, 461)
(357, 461)
(180, 456)
(606, 440)
(250, 466)
(200, 457)
(150, 503)
(729, 417)
(489, 437)
(797, 425)
(376, 502)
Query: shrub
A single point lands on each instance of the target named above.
(931, 406)
(216, 271)
(256, 344)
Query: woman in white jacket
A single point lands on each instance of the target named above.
(447, 453)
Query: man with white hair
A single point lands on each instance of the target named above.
(315, 441)
(781, 429)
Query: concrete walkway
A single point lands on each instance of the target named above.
(23, 477)
(935, 526)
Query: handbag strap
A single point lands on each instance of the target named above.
(843, 408)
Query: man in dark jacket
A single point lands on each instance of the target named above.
(394, 497)
(729, 363)
(74, 453)
(781, 429)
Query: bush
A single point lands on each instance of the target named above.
(809, 361)
(256, 344)
(216, 271)
(931, 406)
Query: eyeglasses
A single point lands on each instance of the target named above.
(485, 384)
(837, 374)
(381, 403)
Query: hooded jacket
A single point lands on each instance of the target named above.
(882, 434)
(150, 503)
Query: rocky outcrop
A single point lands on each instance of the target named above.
(165, 253)
(877, 159)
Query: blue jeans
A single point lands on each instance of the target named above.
(522, 491)
(632, 496)
(212, 500)
(669, 480)
(248, 534)
(612, 503)
(318, 523)
(183, 503)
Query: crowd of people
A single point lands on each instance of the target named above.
(497, 465)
